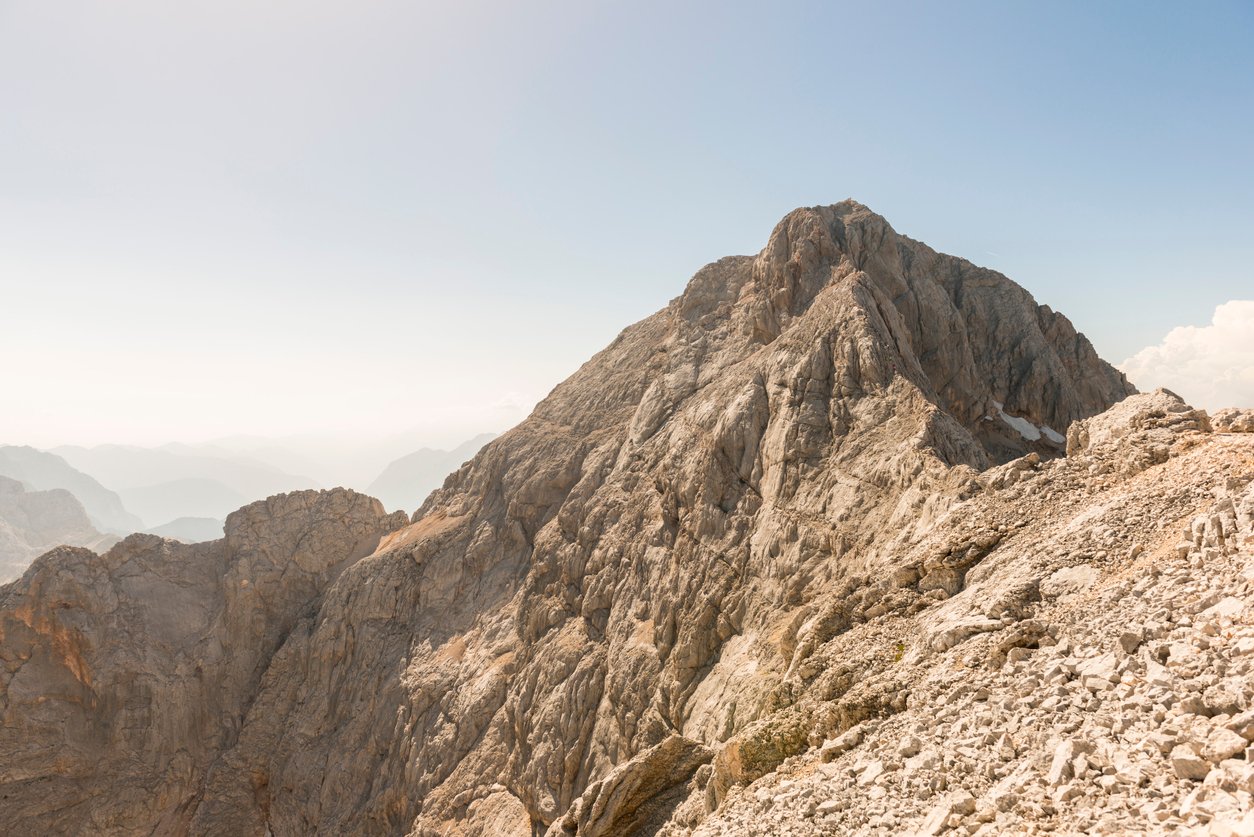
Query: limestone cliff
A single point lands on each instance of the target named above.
(124, 675)
(609, 620)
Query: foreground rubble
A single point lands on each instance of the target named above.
(1095, 676)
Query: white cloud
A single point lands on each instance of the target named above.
(515, 403)
(1209, 366)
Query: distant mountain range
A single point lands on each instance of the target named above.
(92, 496)
(327, 461)
(406, 482)
(190, 529)
(189, 497)
(240, 478)
(43, 471)
(33, 522)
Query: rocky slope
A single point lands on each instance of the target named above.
(123, 675)
(1094, 675)
(784, 506)
(32, 522)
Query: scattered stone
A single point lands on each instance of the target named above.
(1188, 764)
(1222, 744)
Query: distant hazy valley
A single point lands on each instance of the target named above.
(93, 496)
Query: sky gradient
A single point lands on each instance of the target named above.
(334, 219)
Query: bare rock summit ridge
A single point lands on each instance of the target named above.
(709, 558)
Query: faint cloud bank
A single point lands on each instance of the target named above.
(514, 402)
(1210, 366)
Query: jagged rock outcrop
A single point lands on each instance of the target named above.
(1234, 420)
(1095, 675)
(33, 522)
(124, 675)
(623, 611)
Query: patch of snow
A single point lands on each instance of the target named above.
(1053, 435)
(1026, 429)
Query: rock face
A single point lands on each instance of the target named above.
(749, 525)
(32, 522)
(1233, 420)
(125, 675)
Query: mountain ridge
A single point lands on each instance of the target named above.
(607, 603)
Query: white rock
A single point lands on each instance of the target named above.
(1222, 744)
(1188, 764)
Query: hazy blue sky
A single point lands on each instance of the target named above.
(350, 217)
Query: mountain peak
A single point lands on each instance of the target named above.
(624, 608)
(969, 338)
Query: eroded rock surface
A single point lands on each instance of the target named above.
(124, 675)
(644, 602)
(1096, 673)
(1234, 420)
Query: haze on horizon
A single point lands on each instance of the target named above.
(327, 221)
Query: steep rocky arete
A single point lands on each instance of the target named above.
(800, 553)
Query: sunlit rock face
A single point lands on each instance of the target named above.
(126, 674)
(613, 618)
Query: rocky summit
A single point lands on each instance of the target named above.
(852, 537)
